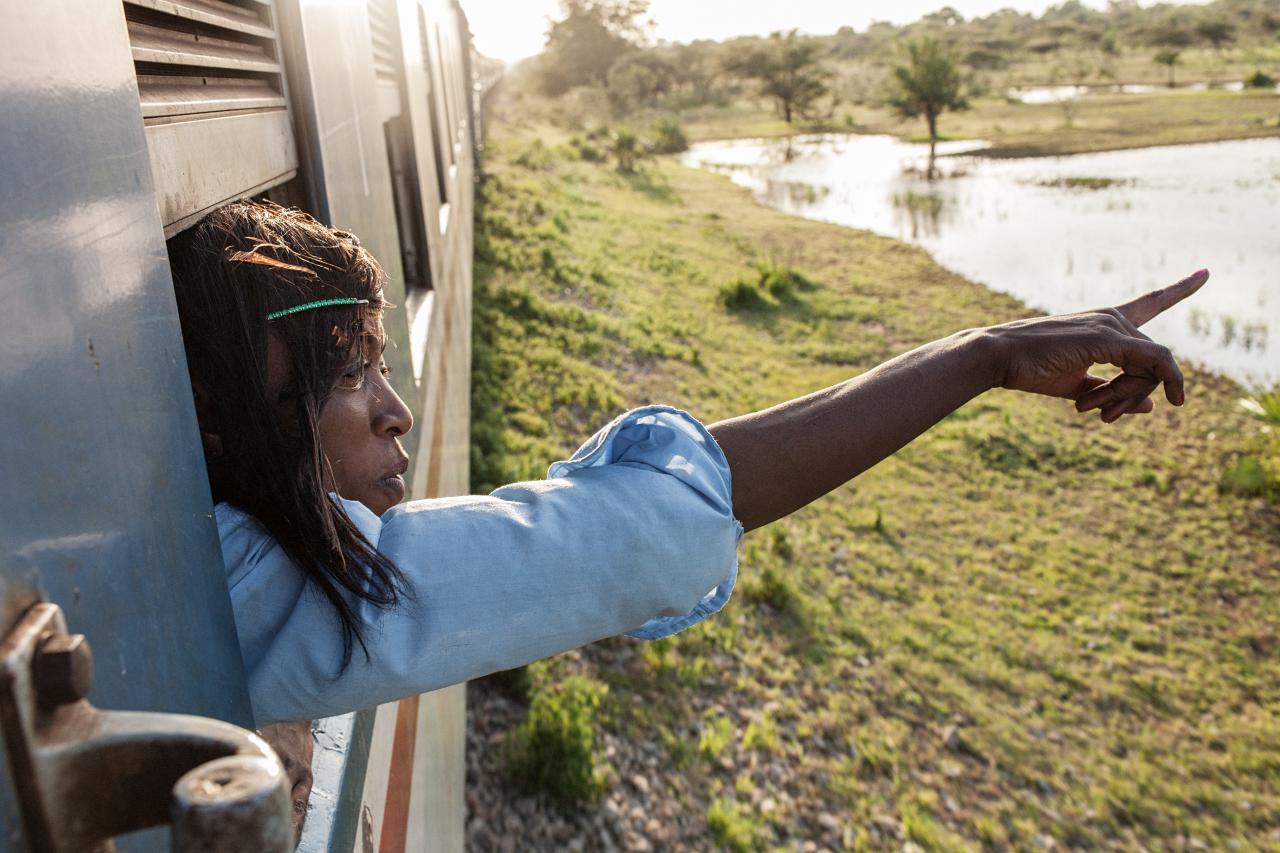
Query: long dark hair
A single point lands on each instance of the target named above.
(233, 268)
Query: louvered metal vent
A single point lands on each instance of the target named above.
(384, 36)
(211, 83)
(383, 31)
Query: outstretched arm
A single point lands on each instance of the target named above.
(787, 456)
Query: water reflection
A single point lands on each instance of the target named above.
(1060, 233)
(1058, 94)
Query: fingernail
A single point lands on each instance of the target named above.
(1200, 273)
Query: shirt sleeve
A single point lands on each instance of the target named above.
(627, 536)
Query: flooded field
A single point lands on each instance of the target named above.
(1057, 94)
(1061, 233)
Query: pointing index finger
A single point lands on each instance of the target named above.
(1145, 307)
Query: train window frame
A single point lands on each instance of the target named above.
(416, 255)
(446, 169)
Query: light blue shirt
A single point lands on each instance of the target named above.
(626, 536)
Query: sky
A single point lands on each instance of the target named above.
(514, 29)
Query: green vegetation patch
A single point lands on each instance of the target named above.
(1083, 182)
(554, 751)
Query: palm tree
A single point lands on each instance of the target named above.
(927, 85)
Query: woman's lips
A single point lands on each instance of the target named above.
(394, 481)
(395, 484)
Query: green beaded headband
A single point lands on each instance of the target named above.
(319, 303)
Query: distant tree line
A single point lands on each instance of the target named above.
(604, 46)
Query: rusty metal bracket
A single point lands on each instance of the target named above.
(83, 776)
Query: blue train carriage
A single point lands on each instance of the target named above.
(122, 125)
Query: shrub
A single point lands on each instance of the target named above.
(1260, 80)
(761, 735)
(1265, 406)
(748, 292)
(716, 734)
(742, 294)
(535, 156)
(731, 826)
(782, 282)
(1252, 476)
(627, 150)
(584, 149)
(553, 752)
(669, 138)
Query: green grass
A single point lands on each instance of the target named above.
(1025, 625)
(731, 826)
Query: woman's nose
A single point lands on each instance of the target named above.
(392, 415)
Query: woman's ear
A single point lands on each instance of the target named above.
(209, 435)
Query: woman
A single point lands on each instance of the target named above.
(345, 598)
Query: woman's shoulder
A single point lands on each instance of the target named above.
(247, 545)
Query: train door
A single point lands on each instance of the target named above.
(104, 507)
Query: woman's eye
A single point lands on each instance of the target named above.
(384, 369)
(353, 377)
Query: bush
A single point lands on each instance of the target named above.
(585, 150)
(732, 826)
(1252, 476)
(748, 292)
(1260, 80)
(782, 283)
(1265, 406)
(535, 156)
(742, 294)
(553, 752)
(669, 138)
(627, 150)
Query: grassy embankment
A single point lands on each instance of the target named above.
(1025, 626)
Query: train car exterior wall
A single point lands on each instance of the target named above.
(123, 125)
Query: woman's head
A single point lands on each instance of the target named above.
(294, 407)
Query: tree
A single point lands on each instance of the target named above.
(1168, 56)
(926, 86)
(788, 70)
(1216, 31)
(638, 80)
(583, 45)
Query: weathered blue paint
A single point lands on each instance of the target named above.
(104, 505)
(338, 768)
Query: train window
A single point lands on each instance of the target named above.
(439, 139)
(446, 60)
(211, 84)
(388, 66)
(409, 220)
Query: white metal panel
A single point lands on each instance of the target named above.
(196, 169)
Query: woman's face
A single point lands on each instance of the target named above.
(360, 426)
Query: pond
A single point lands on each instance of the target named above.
(1058, 94)
(1060, 233)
